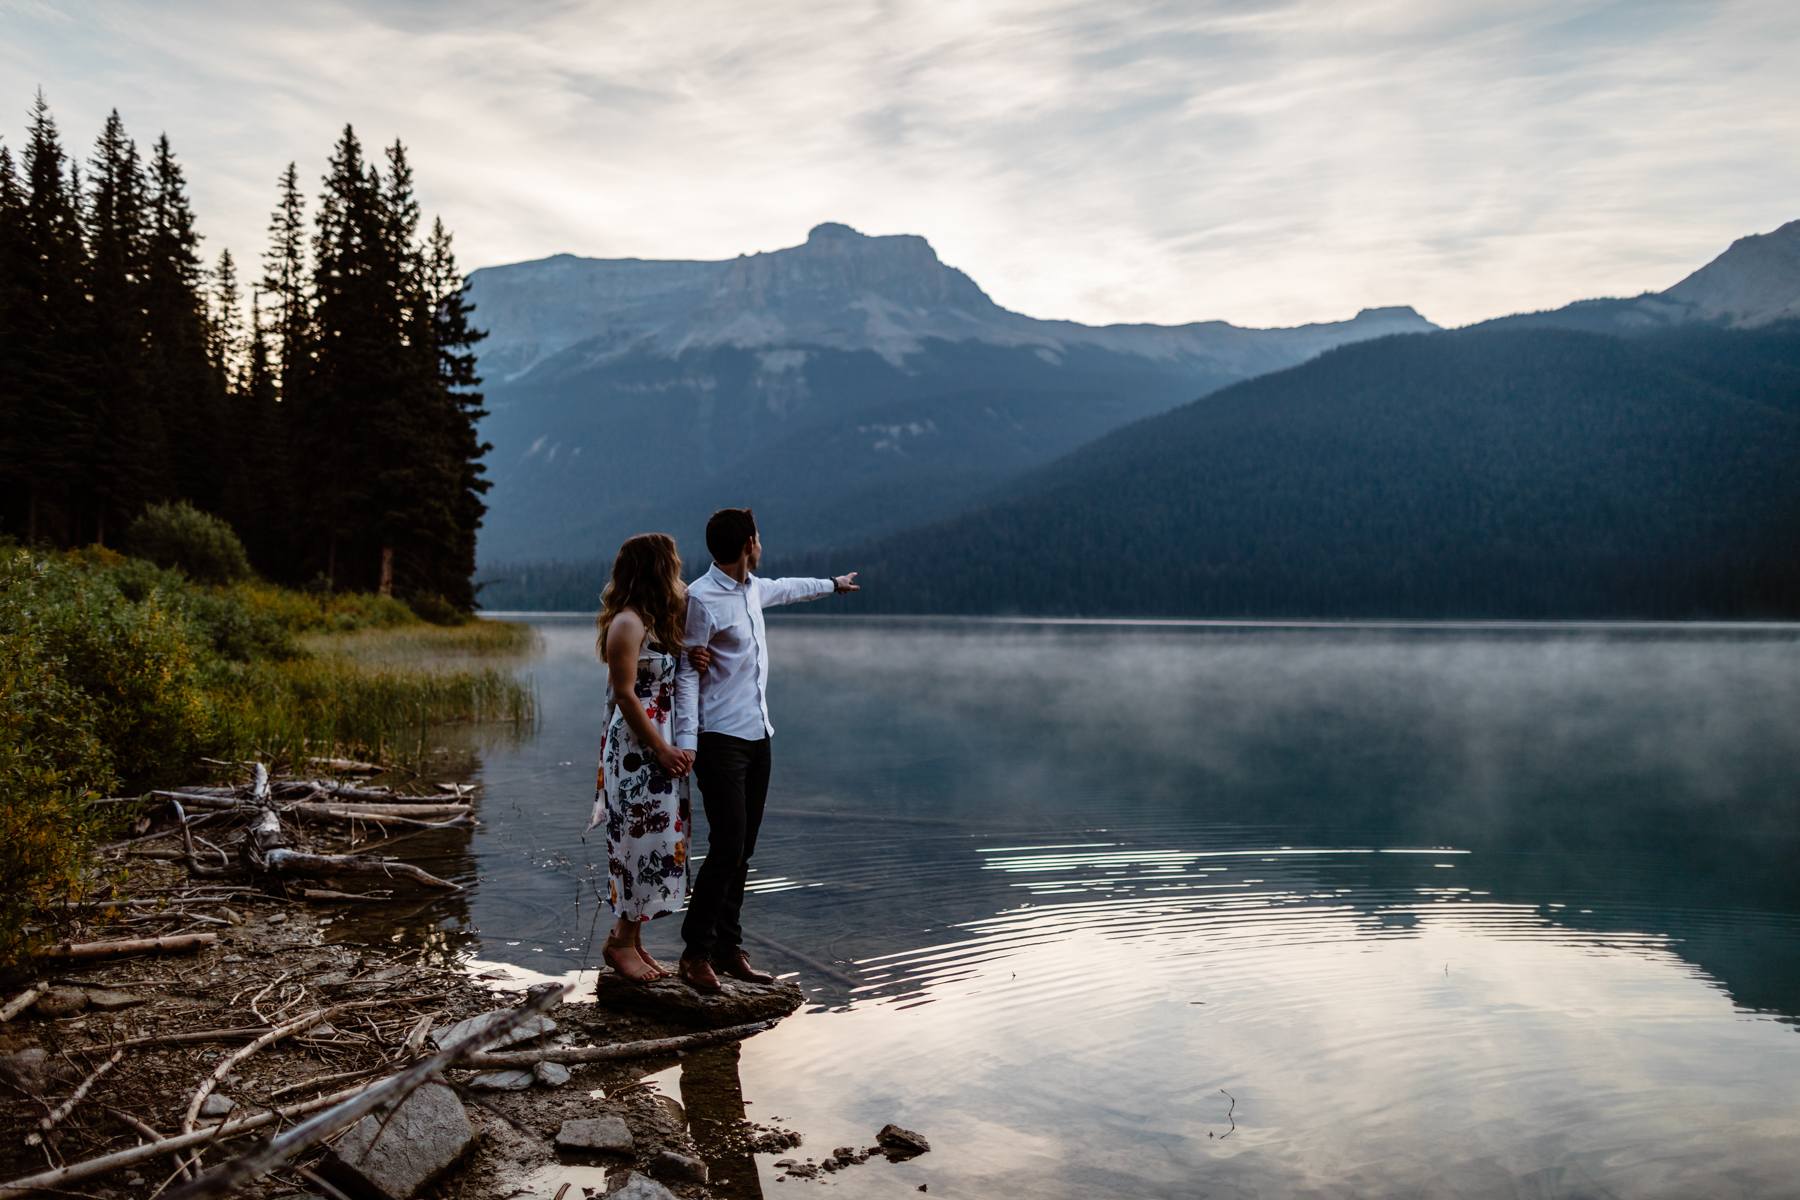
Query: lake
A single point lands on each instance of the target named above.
(1161, 910)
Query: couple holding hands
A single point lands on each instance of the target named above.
(687, 675)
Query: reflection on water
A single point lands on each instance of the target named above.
(1244, 911)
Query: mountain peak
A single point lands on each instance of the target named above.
(1756, 280)
(833, 230)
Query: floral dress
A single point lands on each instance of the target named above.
(648, 813)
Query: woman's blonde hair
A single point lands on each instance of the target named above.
(646, 578)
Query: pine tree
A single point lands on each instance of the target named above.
(14, 307)
(225, 347)
(50, 443)
(184, 388)
(130, 450)
(404, 487)
(453, 338)
(354, 330)
(285, 282)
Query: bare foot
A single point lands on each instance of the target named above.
(662, 972)
(621, 959)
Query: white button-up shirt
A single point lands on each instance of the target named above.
(726, 617)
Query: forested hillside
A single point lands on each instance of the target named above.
(333, 425)
(1481, 473)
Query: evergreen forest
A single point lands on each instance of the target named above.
(322, 402)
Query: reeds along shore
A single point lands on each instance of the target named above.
(119, 677)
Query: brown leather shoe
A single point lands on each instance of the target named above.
(737, 965)
(698, 974)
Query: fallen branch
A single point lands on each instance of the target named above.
(647, 1048)
(348, 766)
(87, 1169)
(237, 1056)
(173, 944)
(354, 816)
(415, 811)
(195, 1035)
(282, 861)
(47, 1123)
(322, 1080)
(20, 1003)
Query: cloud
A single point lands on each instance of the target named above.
(1266, 163)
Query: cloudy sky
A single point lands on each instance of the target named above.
(1265, 162)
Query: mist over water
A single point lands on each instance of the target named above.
(1487, 911)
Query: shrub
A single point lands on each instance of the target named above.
(180, 535)
(52, 764)
(123, 639)
(434, 608)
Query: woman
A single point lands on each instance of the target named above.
(641, 791)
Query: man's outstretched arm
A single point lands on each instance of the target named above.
(798, 587)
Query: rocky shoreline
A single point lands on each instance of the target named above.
(242, 1016)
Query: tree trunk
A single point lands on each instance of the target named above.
(387, 571)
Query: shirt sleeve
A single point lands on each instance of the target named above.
(698, 632)
(795, 588)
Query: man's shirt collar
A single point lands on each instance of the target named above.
(721, 579)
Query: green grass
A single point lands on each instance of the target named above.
(117, 676)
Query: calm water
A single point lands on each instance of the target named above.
(1155, 911)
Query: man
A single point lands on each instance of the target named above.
(723, 716)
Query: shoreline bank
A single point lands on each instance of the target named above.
(253, 1004)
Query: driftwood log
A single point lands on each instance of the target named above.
(173, 944)
(620, 1052)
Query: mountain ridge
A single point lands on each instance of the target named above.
(1482, 473)
(848, 383)
(840, 288)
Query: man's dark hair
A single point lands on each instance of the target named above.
(728, 532)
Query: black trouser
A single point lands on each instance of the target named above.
(734, 782)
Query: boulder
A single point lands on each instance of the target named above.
(901, 1143)
(107, 1000)
(596, 1135)
(60, 1002)
(737, 1003)
(28, 1070)
(640, 1187)
(509, 1080)
(421, 1139)
(678, 1167)
(535, 1026)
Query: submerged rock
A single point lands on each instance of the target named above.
(395, 1152)
(597, 1135)
(737, 1003)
